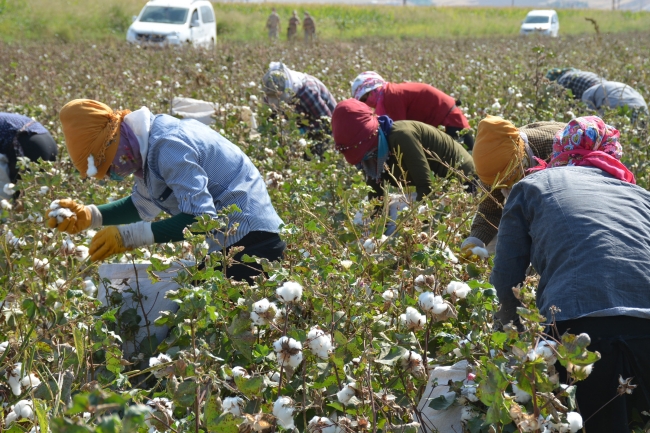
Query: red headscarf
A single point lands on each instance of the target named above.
(354, 127)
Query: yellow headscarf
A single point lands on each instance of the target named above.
(91, 128)
(498, 152)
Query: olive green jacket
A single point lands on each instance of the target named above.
(422, 150)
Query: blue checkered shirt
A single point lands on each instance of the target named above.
(192, 169)
(314, 100)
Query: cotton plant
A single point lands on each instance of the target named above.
(264, 312)
(320, 343)
(283, 410)
(288, 352)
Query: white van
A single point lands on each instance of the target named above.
(541, 22)
(175, 22)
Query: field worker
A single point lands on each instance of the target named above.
(294, 22)
(412, 101)
(309, 27)
(373, 143)
(585, 225)
(574, 79)
(613, 94)
(273, 25)
(307, 94)
(502, 154)
(181, 167)
(21, 136)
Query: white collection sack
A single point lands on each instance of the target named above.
(127, 278)
(442, 421)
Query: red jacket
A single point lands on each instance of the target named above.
(424, 103)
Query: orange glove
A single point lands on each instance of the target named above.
(72, 217)
(105, 243)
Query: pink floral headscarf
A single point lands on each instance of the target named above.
(589, 141)
(365, 82)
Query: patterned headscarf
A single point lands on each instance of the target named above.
(589, 141)
(281, 80)
(366, 82)
(555, 73)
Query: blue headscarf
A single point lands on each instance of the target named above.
(373, 162)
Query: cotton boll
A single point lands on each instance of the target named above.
(389, 295)
(321, 424)
(320, 343)
(283, 409)
(23, 409)
(545, 350)
(288, 351)
(233, 405)
(581, 372)
(67, 247)
(9, 189)
(264, 312)
(412, 363)
(412, 319)
(89, 287)
(3, 347)
(41, 267)
(43, 190)
(458, 288)
(467, 413)
(4, 204)
(13, 378)
(480, 252)
(369, 246)
(240, 372)
(575, 421)
(345, 395)
(92, 170)
(289, 292)
(520, 395)
(30, 381)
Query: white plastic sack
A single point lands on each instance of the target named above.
(442, 421)
(189, 108)
(127, 278)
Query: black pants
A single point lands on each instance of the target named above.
(467, 139)
(624, 345)
(34, 146)
(259, 244)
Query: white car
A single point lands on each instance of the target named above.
(541, 22)
(175, 22)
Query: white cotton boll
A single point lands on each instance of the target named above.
(158, 360)
(23, 409)
(30, 381)
(233, 405)
(480, 252)
(545, 350)
(240, 372)
(422, 209)
(13, 378)
(521, 396)
(41, 267)
(345, 395)
(420, 281)
(369, 246)
(68, 247)
(92, 170)
(288, 351)
(81, 252)
(283, 409)
(269, 152)
(460, 289)
(264, 312)
(89, 287)
(389, 295)
(3, 346)
(4, 204)
(427, 300)
(467, 413)
(302, 142)
(449, 255)
(289, 292)
(358, 218)
(321, 424)
(9, 188)
(575, 421)
(55, 204)
(412, 319)
(496, 105)
(320, 343)
(43, 190)
(582, 371)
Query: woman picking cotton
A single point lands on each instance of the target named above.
(502, 154)
(412, 101)
(374, 143)
(180, 167)
(584, 225)
(306, 94)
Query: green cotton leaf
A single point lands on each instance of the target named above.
(158, 265)
(134, 417)
(393, 355)
(473, 271)
(244, 344)
(41, 414)
(498, 412)
(226, 423)
(80, 404)
(29, 307)
(185, 393)
(339, 338)
(313, 226)
(148, 345)
(494, 383)
(114, 360)
(213, 409)
(110, 315)
(79, 346)
(442, 402)
(59, 425)
(570, 393)
(109, 424)
(240, 323)
(531, 315)
(252, 387)
(499, 338)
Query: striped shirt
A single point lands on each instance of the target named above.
(192, 169)
(11, 124)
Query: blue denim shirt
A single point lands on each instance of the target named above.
(586, 233)
(193, 169)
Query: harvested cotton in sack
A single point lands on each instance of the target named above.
(205, 112)
(127, 280)
(448, 420)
